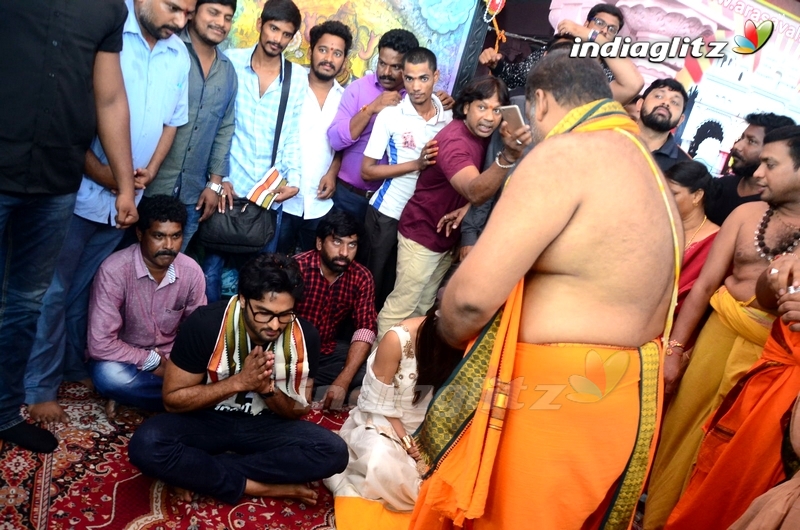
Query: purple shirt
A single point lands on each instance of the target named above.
(435, 196)
(357, 94)
(129, 314)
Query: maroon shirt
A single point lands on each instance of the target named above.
(326, 305)
(434, 196)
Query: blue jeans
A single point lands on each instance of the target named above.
(32, 229)
(127, 384)
(191, 226)
(347, 201)
(190, 451)
(294, 229)
(58, 351)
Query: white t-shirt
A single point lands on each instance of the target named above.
(401, 133)
(317, 153)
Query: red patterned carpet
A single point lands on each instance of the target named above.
(88, 483)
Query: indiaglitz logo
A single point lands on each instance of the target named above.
(754, 37)
(676, 48)
(601, 377)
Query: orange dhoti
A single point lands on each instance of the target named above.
(564, 448)
(578, 435)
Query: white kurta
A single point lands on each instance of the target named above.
(379, 467)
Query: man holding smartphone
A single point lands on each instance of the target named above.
(427, 230)
(405, 134)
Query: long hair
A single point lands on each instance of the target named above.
(436, 359)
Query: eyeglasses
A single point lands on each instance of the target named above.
(600, 23)
(265, 317)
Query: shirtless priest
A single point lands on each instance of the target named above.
(564, 381)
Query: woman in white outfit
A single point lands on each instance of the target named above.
(403, 372)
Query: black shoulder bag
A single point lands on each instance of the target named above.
(247, 227)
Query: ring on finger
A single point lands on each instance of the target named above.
(426, 156)
(792, 289)
(773, 271)
(518, 142)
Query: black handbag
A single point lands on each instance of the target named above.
(244, 229)
(248, 227)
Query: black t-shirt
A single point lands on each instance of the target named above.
(48, 119)
(727, 200)
(197, 337)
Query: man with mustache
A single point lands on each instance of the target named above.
(139, 297)
(741, 187)
(261, 72)
(363, 99)
(155, 68)
(338, 289)
(660, 111)
(732, 338)
(200, 154)
(329, 43)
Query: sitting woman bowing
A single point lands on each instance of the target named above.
(407, 368)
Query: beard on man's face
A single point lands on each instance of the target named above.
(338, 264)
(146, 17)
(742, 167)
(659, 122)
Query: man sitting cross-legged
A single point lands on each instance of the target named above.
(139, 296)
(237, 382)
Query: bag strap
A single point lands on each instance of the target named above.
(287, 80)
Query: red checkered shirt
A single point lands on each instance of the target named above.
(326, 305)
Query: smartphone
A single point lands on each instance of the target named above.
(513, 116)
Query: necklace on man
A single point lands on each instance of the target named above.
(761, 247)
(705, 218)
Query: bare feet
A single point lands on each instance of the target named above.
(48, 412)
(300, 492)
(183, 494)
(87, 383)
(111, 409)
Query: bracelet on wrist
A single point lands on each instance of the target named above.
(672, 344)
(407, 442)
(497, 161)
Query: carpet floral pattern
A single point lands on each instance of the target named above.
(89, 484)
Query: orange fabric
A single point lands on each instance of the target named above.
(740, 458)
(358, 513)
(551, 439)
(463, 478)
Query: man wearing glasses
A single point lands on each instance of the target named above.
(602, 24)
(238, 380)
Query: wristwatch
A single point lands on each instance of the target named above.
(593, 35)
(213, 186)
